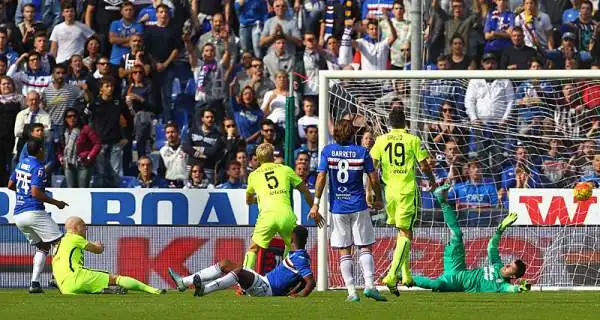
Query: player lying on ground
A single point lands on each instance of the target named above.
(271, 185)
(29, 183)
(495, 277)
(73, 278)
(291, 277)
(346, 163)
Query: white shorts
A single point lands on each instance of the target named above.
(37, 226)
(352, 228)
(260, 287)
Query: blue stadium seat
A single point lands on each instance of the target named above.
(125, 180)
(155, 157)
(160, 138)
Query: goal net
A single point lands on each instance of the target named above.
(487, 132)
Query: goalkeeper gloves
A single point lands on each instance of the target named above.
(508, 221)
(524, 286)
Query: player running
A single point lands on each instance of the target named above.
(29, 181)
(495, 277)
(73, 278)
(346, 163)
(398, 152)
(271, 185)
(291, 277)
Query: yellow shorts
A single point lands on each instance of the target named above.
(84, 281)
(270, 223)
(402, 210)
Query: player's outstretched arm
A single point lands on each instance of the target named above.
(250, 198)
(308, 288)
(40, 195)
(94, 247)
(426, 169)
(493, 252)
(314, 214)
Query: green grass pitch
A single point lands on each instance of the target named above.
(18, 304)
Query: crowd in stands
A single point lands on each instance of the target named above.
(178, 93)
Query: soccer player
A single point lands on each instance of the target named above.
(291, 277)
(73, 278)
(398, 152)
(271, 185)
(494, 277)
(346, 163)
(29, 181)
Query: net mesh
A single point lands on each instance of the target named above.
(518, 133)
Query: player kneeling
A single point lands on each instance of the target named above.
(291, 277)
(73, 278)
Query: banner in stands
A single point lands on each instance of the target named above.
(145, 252)
(153, 206)
(545, 207)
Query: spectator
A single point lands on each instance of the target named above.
(26, 30)
(197, 180)
(527, 177)
(570, 111)
(247, 114)
(303, 172)
(253, 163)
(68, 38)
(27, 117)
(222, 41)
(242, 158)
(434, 34)
(6, 51)
(309, 118)
(437, 91)
(137, 57)
(173, 160)
(281, 25)
(140, 100)
(582, 160)
(40, 45)
(594, 178)
(209, 75)
(403, 30)
(308, 64)
(99, 15)
(475, 193)
(489, 104)
(58, 97)
(10, 106)
(121, 31)
(536, 26)
(36, 131)
(209, 8)
(555, 165)
(448, 129)
(258, 81)
(92, 53)
(274, 101)
(204, 144)
(279, 59)
(78, 73)
(269, 134)
(233, 142)
(338, 58)
(373, 53)
(163, 42)
(78, 149)
(112, 122)
(571, 14)
(146, 178)
(584, 27)
(234, 180)
(251, 14)
(533, 98)
(457, 58)
(454, 163)
(311, 11)
(48, 12)
(332, 22)
(33, 78)
(3, 66)
(498, 25)
(147, 15)
(311, 147)
(518, 55)
(461, 24)
(104, 70)
(567, 50)
(242, 71)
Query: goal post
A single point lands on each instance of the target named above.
(362, 93)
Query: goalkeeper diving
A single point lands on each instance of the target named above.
(495, 277)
